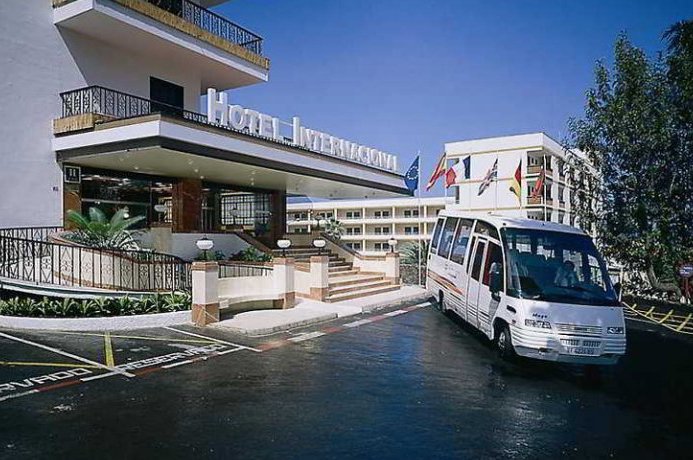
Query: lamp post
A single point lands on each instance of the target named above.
(204, 244)
(283, 245)
(392, 243)
(319, 243)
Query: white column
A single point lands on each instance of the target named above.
(205, 293)
(319, 277)
(283, 280)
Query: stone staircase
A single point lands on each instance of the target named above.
(346, 282)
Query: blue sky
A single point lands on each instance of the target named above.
(408, 75)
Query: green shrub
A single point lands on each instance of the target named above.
(86, 308)
(252, 254)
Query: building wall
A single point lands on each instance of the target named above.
(373, 232)
(553, 204)
(38, 61)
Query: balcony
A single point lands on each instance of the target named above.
(536, 169)
(178, 31)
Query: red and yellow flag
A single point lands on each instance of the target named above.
(516, 184)
(437, 173)
(539, 186)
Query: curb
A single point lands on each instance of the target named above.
(278, 328)
(417, 298)
(98, 324)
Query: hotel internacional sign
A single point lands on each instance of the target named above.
(219, 111)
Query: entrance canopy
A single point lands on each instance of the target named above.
(168, 146)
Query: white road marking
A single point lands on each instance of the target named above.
(307, 336)
(18, 395)
(358, 323)
(179, 363)
(64, 353)
(395, 313)
(231, 350)
(212, 339)
(100, 376)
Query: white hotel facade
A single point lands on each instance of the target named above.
(102, 108)
(555, 202)
(369, 224)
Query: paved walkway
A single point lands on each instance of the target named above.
(307, 312)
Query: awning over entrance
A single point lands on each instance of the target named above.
(168, 146)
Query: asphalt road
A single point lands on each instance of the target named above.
(415, 385)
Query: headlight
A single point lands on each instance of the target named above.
(615, 330)
(538, 323)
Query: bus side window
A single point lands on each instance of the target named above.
(478, 257)
(495, 255)
(459, 246)
(436, 234)
(446, 237)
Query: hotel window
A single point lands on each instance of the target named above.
(300, 216)
(411, 213)
(381, 214)
(353, 214)
(380, 247)
(381, 230)
(354, 246)
(411, 230)
(353, 230)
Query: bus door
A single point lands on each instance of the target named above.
(474, 279)
(486, 302)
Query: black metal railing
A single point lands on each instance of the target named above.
(118, 105)
(212, 23)
(27, 254)
(236, 270)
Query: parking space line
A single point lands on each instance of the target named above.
(18, 395)
(137, 337)
(179, 363)
(212, 339)
(23, 363)
(64, 353)
(108, 350)
(230, 351)
(307, 336)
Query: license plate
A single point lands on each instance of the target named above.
(583, 351)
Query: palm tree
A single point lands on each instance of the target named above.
(410, 253)
(97, 231)
(334, 228)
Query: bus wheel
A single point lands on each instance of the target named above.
(504, 343)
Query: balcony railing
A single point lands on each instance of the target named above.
(117, 105)
(206, 20)
(212, 23)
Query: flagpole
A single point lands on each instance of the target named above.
(418, 200)
(495, 199)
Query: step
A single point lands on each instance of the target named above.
(362, 293)
(355, 279)
(340, 268)
(360, 287)
(340, 273)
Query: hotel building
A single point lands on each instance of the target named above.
(102, 108)
(369, 224)
(564, 171)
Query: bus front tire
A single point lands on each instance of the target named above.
(505, 344)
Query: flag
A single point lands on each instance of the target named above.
(516, 184)
(411, 178)
(491, 175)
(539, 186)
(437, 173)
(459, 171)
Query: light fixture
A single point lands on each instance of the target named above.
(283, 245)
(392, 243)
(204, 244)
(319, 243)
(160, 207)
(126, 212)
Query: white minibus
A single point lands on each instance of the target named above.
(537, 289)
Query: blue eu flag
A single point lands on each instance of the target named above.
(411, 178)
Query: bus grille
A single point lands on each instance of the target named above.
(578, 329)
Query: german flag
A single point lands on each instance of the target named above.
(438, 173)
(516, 184)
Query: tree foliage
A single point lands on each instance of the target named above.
(96, 231)
(637, 133)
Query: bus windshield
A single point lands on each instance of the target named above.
(556, 267)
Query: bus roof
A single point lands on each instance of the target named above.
(499, 221)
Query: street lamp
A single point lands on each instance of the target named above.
(319, 243)
(283, 245)
(204, 244)
(392, 243)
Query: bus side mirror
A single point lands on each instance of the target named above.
(496, 280)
